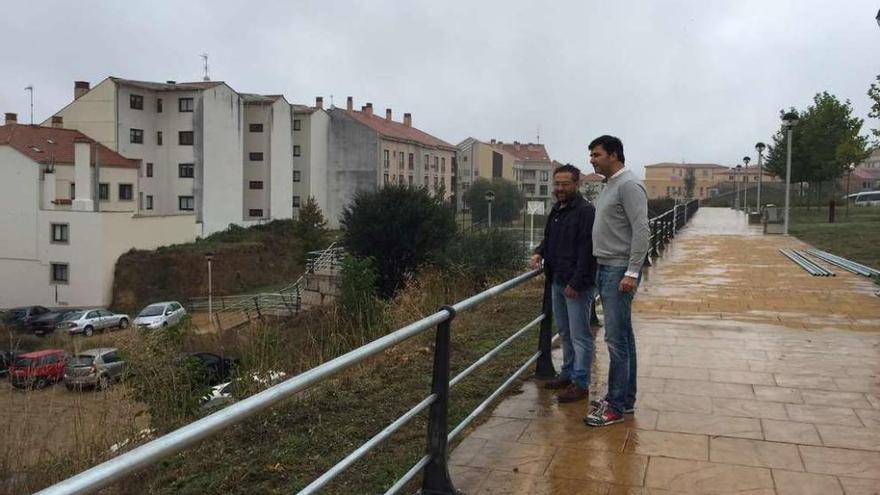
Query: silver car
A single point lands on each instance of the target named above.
(160, 315)
(86, 322)
(94, 368)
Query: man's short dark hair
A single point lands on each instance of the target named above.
(575, 172)
(611, 145)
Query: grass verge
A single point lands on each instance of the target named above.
(855, 236)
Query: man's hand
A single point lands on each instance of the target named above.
(628, 284)
(569, 292)
(535, 261)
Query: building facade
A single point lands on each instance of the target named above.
(311, 138)
(669, 180)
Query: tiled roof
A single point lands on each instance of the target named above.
(398, 131)
(255, 98)
(54, 145)
(303, 108)
(525, 151)
(867, 173)
(157, 86)
(684, 165)
(594, 177)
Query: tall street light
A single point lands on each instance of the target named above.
(746, 160)
(789, 120)
(736, 179)
(209, 256)
(759, 147)
(490, 196)
(849, 171)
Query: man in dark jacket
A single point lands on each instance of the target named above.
(570, 268)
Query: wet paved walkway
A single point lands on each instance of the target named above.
(754, 378)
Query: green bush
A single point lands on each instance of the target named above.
(400, 228)
(506, 206)
(487, 255)
(357, 298)
(310, 228)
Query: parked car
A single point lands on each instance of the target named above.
(37, 369)
(48, 322)
(223, 394)
(867, 198)
(214, 369)
(160, 315)
(96, 368)
(6, 359)
(21, 317)
(86, 322)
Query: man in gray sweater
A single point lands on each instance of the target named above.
(620, 244)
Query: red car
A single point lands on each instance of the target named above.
(38, 369)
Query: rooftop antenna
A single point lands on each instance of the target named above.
(205, 60)
(30, 88)
(539, 134)
(331, 101)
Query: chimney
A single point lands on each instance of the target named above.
(57, 121)
(368, 109)
(80, 88)
(170, 82)
(349, 104)
(319, 101)
(82, 174)
(388, 115)
(492, 141)
(11, 118)
(407, 119)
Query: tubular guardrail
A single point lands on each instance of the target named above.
(663, 227)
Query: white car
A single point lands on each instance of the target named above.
(86, 322)
(160, 315)
(221, 395)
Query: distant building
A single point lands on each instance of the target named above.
(311, 139)
(873, 160)
(532, 170)
(591, 185)
(477, 160)
(667, 180)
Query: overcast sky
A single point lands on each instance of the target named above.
(692, 80)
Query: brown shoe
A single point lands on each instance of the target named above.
(557, 383)
(572, 393)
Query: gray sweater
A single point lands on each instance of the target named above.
(620, 231)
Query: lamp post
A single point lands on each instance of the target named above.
(759, 147)
(746, 160)
(789, 120)
(209, 256)
(490, 196)
(736, 180)
(849, 171)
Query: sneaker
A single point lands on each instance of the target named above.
(572, 393)
(595, 403)
(603, 416)
(558, 383)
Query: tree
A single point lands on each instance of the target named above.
(874, 94)
(824, 143)
(506, 206)
(690, 181)
(310, 228)
(400, 228)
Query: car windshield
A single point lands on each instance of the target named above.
(23, 362)
(82, 360)
(74, 316)
(153, 310)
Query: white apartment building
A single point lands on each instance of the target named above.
(69, 210)
(311, 138)
(203, 147)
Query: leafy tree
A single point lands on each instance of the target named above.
(690, 181)
(508, 202)
(874, 94)
(400, 227)
(310, 228)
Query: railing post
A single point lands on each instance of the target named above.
(436, 479)
(544, 366)
(257, 307)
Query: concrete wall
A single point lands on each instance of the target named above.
(220, 133)
(353, 163)
(313, 139)
(256, 170)
(93, 114)
(112, 176)
(281, 171)
(19, 177)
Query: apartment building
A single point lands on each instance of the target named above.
(533, 170)
(477, 159)
(311, 131)
(667, 180)
(203, 147)
(69, 210)
(366, 151)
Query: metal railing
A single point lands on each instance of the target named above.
(433, 464)
(664, 226)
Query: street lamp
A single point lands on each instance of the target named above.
(849, 171)
(759, 147)
(746, 160)
(209, 256)
(736, 185)
(878, 17)
(490, 196)
(789, 120)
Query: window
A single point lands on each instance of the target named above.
(158, 105)
(385, 179)
(256, 127)
(136, 102)
(443, 165)
(545, 175)
(126, 192)
(255, 157)
(386, 160)
(400, 179)
(400, 161)
(255, 184)
(529, 188)
(110, 357)
(104, 192)
(149, 204)
(297, 176)
(60, 273)
(412, 160)
(436, 162)
(72, 190)
(436, 181)
(410, 180)
(159, 138)
(185, 104)
(427, 163)
(255, 212)
(297, 125)
(185, 138)
(543, 190)
(149, 171)
(705, 173)
(297, 151)
(426, 180)
(185, 203)
(296, 201)
(60, 233)
(136, 136)
(185, 170)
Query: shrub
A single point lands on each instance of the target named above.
(357, 298)
(310, 228)
(487, 255)
(506, 206)
(400, 228)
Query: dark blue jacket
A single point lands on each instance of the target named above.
(567, 247)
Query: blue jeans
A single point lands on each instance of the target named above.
(573, 324)
(617, 308)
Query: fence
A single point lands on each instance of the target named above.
(663, 227)
(433, 465)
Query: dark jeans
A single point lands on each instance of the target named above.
(617, 308)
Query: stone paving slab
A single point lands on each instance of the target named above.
(754, 377)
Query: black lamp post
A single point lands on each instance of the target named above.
(746, 160)
(789, 120)
(490, 196)
(759, 147)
